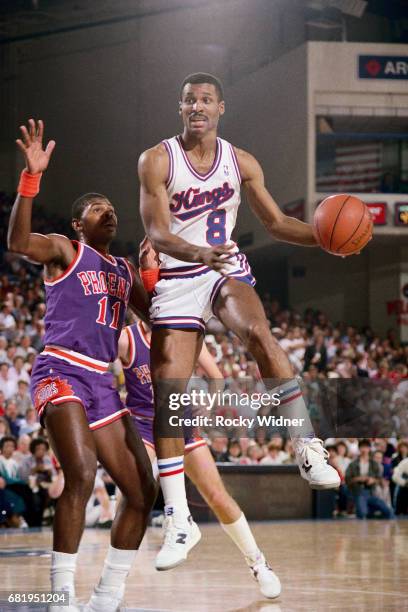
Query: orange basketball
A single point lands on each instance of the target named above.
(342, 224)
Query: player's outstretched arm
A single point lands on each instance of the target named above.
(20, 239)
(264, 206)
(154, 210)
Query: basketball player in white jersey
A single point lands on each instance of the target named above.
(190, 193)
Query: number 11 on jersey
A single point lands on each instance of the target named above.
(103, 305)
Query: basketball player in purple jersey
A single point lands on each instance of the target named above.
(134, 353)
(190, 193)
(87, 292)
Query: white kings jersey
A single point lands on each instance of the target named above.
(203, 207)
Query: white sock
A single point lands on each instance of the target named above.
(241, 534)
(171, 472)
(292, 406)
(116, 568)
(63, 567)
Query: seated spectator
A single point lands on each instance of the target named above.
(7, 383)
(22, 397)
(352, 447)
(400, 478)
(274, 456)
(234, 451)
(30, 425)
(8, 514)
(402, 453)
(253, 456)
(261, 437)
(3, 348)
(337, 461)
(343, 461)
(99, 511)
(12, 496)
(38, 470)
(316, 354)
(289, 452)
(23, 448)
(18, 372)
(2, 404)
(25, 347)
(13, 418)
(4, 428)
(219, 447)
(382, 489)
(7, 321)
(362, 475)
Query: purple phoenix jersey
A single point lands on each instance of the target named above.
(86, 305)
(139, 398)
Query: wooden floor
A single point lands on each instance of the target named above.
(333, 565)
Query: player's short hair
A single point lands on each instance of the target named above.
(204, 77)
(82, 202)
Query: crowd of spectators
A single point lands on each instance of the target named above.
(318, 350)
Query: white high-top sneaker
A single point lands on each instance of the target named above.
(73, 604)
(312, 460)
(104, 599)
(268, 581)
(181, 534)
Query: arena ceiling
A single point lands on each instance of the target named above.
(27, 19)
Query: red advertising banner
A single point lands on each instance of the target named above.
(378, 212)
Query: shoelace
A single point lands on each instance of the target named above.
(315, 446)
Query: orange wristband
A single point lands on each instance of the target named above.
(29, 184)
(149, 278)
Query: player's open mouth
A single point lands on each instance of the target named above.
(198, 119)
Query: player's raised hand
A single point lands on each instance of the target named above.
(148, 257)
(31, 145)
(216, 257)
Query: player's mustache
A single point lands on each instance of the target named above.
(195, 116)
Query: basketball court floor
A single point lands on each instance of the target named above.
(333, 565)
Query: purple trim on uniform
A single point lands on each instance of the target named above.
(214, 167)
(179, 317)
(71, 267)
(179, 322)
(170, 275)
(182, 268)
(236, 165)
(216, 288)
(248, 279)
(171, 163)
